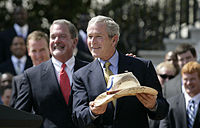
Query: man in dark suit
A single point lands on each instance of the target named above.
(179, 110)
(89, 82)
(20, 28)
(185, 53)
(18, 61)
(83, 52)
(38, 50)
(42, 85)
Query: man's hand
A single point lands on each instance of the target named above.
(97, 110)
(148, 100)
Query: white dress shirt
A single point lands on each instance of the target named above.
(21, 31)
(196, 100)
(69, 68)
(15, 63)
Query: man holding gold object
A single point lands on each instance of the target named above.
(91, 81)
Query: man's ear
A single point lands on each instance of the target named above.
(115, 40)
(75, 42)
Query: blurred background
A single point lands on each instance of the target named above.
(147, 26)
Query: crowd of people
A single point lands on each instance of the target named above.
(41, 74)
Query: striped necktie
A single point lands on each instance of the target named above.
(191, 113)
(107, 73)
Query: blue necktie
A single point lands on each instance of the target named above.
(191, 113)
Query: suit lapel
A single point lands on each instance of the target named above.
(182, 110)
(49, 79)
(197, 119)
(12, 67)
(97, 76)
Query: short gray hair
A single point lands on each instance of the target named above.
(111, 26)
(72, 29)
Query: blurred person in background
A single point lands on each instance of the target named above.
(5, 80)
(184, 110)
(172, 58)
(19, 28)
(83, 52)
(185, 53)
(38, 50)
(6, 94)
(18, 61)
(165, 71)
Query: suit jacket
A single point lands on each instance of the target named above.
(177, 116)
(16, 86)
(173, 87)
(89, 82)
(8, 66)
(40, 89)
(83, 52)
(6, 38)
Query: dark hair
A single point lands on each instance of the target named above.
(182, 48)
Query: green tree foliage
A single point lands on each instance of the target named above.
(143, 23)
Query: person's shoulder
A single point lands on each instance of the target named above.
(86, 67)
(80, 62)
(17, 77)
(135, 59)
(176, 79)
(35, 69)
(175, 99)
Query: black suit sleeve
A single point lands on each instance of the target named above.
(24, 98)
(14, 93)
(162, 104)
(80, 105)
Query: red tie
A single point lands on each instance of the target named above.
(64, 83)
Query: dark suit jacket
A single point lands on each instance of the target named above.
(6, 38)
(89, 82)
(83, 52)
(8, 66)
(16, 86)
(173, 87)
(40, 89)
(177, 114)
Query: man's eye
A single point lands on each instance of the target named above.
(62, 36)
(89, 37)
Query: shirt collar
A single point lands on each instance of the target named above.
(24, 28)
(196, 98)
(113, 60)
(70, 63)
(22, 59)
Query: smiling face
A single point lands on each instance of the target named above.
(99, 43)
(191, 82)
(18, 47)
(38, 51)
(61, 43)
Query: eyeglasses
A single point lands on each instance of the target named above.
(165, 76)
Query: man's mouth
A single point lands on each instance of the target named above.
(57, 46)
